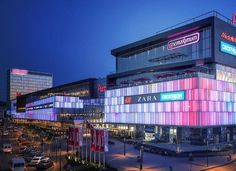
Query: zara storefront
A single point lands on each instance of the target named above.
(179, 85)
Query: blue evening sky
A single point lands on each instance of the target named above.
(72, 38)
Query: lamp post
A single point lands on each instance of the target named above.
(207, 151)
(124, 147)
(141, 158)
(60, 154)
(56, 149)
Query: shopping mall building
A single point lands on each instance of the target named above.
(179, 84)
(63, 105)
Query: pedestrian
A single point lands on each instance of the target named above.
(229, 157)
(171, 169)
(190, 156)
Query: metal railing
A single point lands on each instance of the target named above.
(169, 78)
(200, 17)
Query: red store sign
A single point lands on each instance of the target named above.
(228, 37)
(234, 18)
(102, 88)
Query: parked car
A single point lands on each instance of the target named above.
(7, 148)
(36, 160)
(111, 142)
(18, 164)
(5, 133)
(45, 163)
(25, 143)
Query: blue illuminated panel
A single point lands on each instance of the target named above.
(227, 48)
(172, 96)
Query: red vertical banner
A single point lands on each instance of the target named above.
(76, 136)
(97, 143)
(71, 136)
(93, 139)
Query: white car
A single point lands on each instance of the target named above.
(5, 133)
(36, 160)
(7, 148)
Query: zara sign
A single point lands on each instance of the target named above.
(155, 97)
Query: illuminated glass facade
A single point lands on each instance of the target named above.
(181, 82)
(160, 55)
(208, 102)
(52, 108)
(64, 103)
(22, 82)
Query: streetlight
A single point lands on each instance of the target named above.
(141, 158)
(56, 149)
(207, 151)
(124, 147)
(60, 154)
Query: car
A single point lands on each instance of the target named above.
(18, 164)
(7, 148)
(25, 143)
(5, 133)
(36, 160)
(45, 163)
(111, 142)
(22, 150)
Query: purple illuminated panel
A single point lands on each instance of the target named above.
(45, 109)
(183, 41)
(208, 102)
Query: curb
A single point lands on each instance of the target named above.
(219, 165)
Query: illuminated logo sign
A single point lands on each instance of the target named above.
(228, 37)
(234, 18)
(183, 41)
(102, 88)
(155, 97)
(172, 96)
(227, 48)
(19, 71)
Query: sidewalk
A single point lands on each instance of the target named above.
(154, 162)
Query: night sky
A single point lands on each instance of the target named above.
(72, 38)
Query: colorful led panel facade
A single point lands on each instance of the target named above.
(207, 102)
(49, 108)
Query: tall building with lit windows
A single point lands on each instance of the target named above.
(20, 82)
(178, 85)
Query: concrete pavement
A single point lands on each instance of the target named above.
(156, 162)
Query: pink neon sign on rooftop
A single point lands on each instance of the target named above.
(19, 71)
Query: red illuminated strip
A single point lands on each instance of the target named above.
(234, 18)
(183, 32)
(19, 72)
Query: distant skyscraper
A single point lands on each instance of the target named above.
(20, 82)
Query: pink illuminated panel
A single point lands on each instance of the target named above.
(208, 102)
(183, 32)
(19, 71)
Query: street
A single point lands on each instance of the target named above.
(49, 150)
(114, 157)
